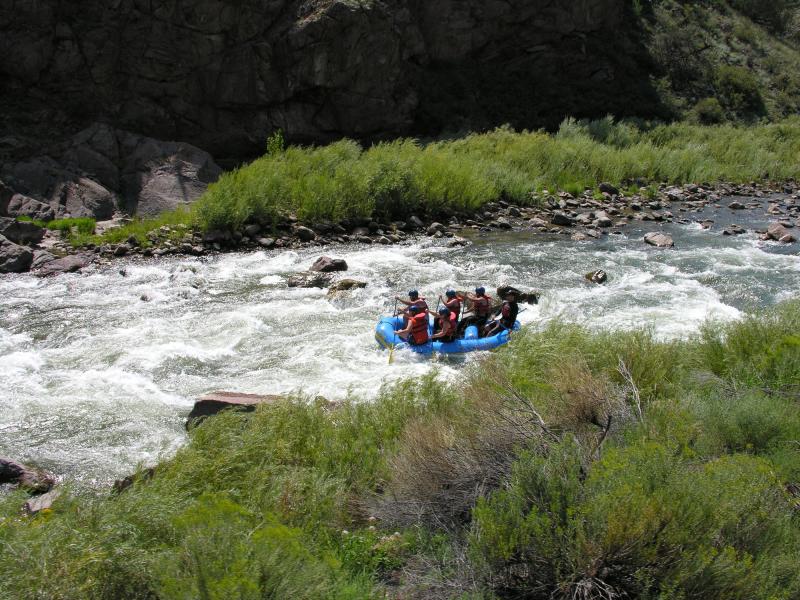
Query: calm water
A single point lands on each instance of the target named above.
(94, 379)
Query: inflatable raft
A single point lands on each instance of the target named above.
(386, 336)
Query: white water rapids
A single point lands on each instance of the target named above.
(98, 370)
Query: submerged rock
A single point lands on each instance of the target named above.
(598, 276)
(213, 403)
(658, 239)
(310, 279)
(345, 285)
(326, 264)
(525, 297)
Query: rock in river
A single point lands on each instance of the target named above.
(345, 285)
(598, 276)
(212, 403)
(326, 264)
(779, 233)
(659, 240)
(310, 279)
(67, 264)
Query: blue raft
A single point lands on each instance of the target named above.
(386, 336)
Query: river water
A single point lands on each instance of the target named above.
(98, 370)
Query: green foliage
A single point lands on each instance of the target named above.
(607, 465)
(37, 222)
(739, 90)
(709, 111)
(80, 225)
(772, 13)
(275, 143)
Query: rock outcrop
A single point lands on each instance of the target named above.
(658, 239)
(102, 170)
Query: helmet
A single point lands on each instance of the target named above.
(450, 293)
(413, 294)
(444, 311)
(480, 290)
(414, 309)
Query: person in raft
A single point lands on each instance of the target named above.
(508, 316)
(453, 302)
(416, 330)
(481, 310)
(414, 299)
(447, 325)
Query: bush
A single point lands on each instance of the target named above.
(772, 13)
(739, 90)
(709, 111)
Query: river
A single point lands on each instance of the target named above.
(99, 369)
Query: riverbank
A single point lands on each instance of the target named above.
(611, 462)
(594, 176)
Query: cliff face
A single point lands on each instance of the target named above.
(222, 75)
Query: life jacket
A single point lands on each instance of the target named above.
(454, 305)
(509, 313)
(453, 323)
(419, 328)
(482, 305)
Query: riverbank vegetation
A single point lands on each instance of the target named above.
(570, 464)
(394, 180)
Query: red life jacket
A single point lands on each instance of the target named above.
(453, 324)
(419, 328)
(454, 305)
(482, 305)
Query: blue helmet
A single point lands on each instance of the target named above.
(444, 311)
(480, 290)
(413, 294)
(414, 309)
(450, 293)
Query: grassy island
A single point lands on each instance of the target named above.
(570, 464)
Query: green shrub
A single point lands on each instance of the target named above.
(709, 111)
(81, 225)
(739, 90)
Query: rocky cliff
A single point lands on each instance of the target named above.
(221, 75)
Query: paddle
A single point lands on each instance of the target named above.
(391, 348)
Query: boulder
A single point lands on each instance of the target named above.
(326, 264)
(415, 222)
(345, 285)
(13, 257)
(502, 223)
(213, 403)
(435, 228)
(659, 240)
(40, 258)
(607, 188)
(23, 206)
(67, 264)
(310, 279)
(779, 233)
(33, 479)
(40, 503)
(562, 219)
(735, 205)
(304, 234)
(20, 232)
(598, 276)
(603, 220)
(266, 242)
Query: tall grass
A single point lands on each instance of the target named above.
(393, 180)
(567, 465)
